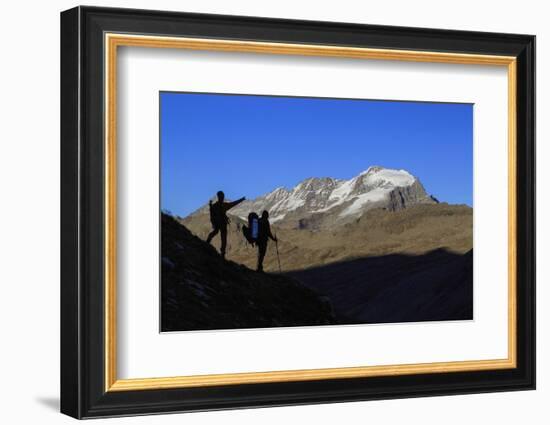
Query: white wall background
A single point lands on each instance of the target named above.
(29, 213)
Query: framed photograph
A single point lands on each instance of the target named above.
(261, 212)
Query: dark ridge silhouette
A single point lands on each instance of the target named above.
(201, 290)
(437, 285)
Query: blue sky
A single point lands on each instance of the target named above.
(249, 145)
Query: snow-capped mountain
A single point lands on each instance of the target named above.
(341, 200)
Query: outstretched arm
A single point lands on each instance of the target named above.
(229, 205)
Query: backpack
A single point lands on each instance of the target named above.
(254, 224)
(251, 232)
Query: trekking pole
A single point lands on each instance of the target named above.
(277, 248)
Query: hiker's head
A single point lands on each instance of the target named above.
(221, 196)
(265, 215)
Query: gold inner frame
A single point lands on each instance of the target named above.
(113, 41)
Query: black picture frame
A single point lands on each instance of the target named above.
(83, 392)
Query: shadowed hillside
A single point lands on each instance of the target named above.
(437, 285)
(202, 291)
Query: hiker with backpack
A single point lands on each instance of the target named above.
(219, 219)
(258, 232)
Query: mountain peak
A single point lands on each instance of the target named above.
(314, 183)
(338, 201)
(343, 200)
(377, 169)
(372, 169)
(277, 193)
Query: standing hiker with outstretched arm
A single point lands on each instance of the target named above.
(219, 219)
(264, 234)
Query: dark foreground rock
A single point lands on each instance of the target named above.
(202, 291)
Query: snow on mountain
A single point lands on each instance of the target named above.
(377, 187)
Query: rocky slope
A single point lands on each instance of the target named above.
(202, 291)
(414, 230)
(326, 202)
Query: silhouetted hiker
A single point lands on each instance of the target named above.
(219, 219)
(264, 233)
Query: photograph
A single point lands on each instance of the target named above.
(284, 211)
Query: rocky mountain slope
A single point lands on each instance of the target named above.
(202, 291)
(414, 230)
(323, 220)
(326, 202)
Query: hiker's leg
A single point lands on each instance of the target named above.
(262, 247)
(223, 233)
(212, 234)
